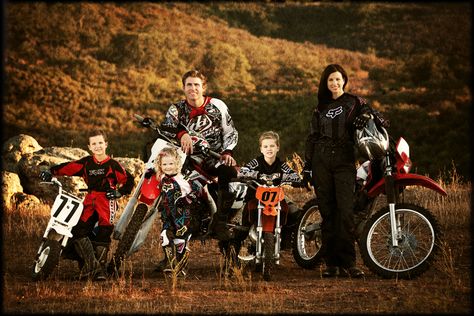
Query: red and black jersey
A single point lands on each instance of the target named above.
(99, 175)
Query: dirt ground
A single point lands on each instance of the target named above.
(445, 288)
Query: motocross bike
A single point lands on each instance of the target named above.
(65, 214)
(136, 221)
(270, 226)
(400, 240)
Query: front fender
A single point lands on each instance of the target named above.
(407, 179)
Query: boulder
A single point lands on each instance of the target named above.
(10, 185)
(31, 165)
(14, 148)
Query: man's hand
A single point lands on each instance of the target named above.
(146, 122)
(228, 160)
(46, 176)
(113, 194)
(186, 144)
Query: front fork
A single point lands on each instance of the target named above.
(391, 201)
(260, 240)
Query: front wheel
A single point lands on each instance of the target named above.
(128, 237)
(268, 255)
(307, 239)
(47, 260)
(418, 242)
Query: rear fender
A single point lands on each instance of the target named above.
(407, 179)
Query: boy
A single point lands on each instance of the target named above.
(103, 176)
(264, 167)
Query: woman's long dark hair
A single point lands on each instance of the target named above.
(324, 95)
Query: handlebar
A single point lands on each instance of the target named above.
(205, 150)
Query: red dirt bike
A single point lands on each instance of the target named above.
(400, 240)
(271, 226)
(141, 210)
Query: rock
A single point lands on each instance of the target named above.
(10, 185)
(14, 148)
(23, 200)
(31, 164)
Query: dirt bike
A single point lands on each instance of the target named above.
(141, 210)
(65, 214)
(270, 225)
(400, 240)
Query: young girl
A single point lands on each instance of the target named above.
(178, 195)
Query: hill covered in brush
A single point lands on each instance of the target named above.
(70, 67)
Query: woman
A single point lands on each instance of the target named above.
(330, 156)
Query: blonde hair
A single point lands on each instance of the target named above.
(269, 135)
(167, 152)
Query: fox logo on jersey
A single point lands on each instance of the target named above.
(332, 113)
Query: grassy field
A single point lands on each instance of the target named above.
(444, 288)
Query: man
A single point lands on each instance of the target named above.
(209, 117)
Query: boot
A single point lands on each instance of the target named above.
(101, 251)
(163, 264)
(91, 266)
(219, 220)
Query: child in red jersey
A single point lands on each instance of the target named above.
(106, 180)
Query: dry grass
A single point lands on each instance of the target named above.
(445, 288)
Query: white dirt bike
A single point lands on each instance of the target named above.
(65, 214)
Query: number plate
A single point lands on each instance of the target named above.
(67, 209)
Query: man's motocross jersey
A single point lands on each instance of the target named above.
(212, 120)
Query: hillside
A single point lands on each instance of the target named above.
(73, 66)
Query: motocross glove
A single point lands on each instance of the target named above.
(113, 194)
(149, 173)
(361, 121)
(46, 175)
(146, 122)
(307, 175)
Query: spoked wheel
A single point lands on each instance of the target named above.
(268, 255)
(47, 260)
(418, 242)
(307, 238)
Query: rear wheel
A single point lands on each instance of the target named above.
(47, 260)
(307, 239)
(268, 255)
(128, 237)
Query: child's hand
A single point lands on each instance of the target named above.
(113, 194)
(46, 176)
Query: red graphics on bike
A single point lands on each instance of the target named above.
(149, 190)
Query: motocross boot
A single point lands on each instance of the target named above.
(101, 251)
(91, 267)
(164, 263)
(182, 255)
(218, 228)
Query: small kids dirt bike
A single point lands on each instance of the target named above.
(271, 225)
(65, 214)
